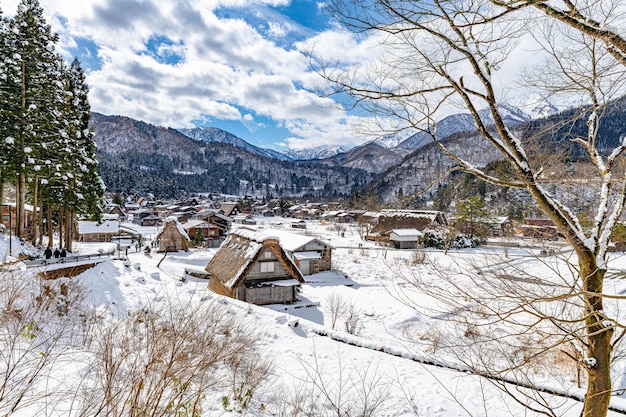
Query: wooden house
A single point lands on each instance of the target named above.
(9, 216)
(210, 232)
(115, 209)
(253, 267)
(230, 208)
(172, 237)
(405, 238)
(387, 219)
(311, 255)
(540, 229)
(89, 231)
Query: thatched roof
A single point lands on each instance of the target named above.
(237, 255)
(173, 222)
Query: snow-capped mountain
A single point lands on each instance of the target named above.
(213, 134)
(394, 139)
(319, 152)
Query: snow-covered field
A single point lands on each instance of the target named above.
(381, 354)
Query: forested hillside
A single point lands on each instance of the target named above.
(139, 157)
(550, 140)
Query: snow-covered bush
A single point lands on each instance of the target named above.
(433, 239)
(462, 242)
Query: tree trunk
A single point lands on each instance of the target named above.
(69, 229)
(599, 334)
(41, 229)
(34, 225)
(19, 206)
(1, 189)
(50, 227)
(60, 226)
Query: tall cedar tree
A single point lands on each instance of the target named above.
(44, 111)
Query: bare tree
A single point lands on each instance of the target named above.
(451, 53)
(337, 307)
(39, 329)
(349, 390)
(165, 360)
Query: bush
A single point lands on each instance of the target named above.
(462, 242)
(433, 239)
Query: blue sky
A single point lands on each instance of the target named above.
(239, 65)
(234, 64)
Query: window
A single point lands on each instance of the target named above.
(267, 266)
(267, 254)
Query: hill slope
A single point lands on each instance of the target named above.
(137, 156)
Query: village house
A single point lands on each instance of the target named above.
(215, 218)
(384, 221)
(210, 232)
(115, 209)
(230, 208)
(405, 238)
(501, 226)
(311, 255)
(9, 216)
(90, 231)
(253, 267)
(172, 237)
(540, 229)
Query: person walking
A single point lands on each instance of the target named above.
(48, 253)
(56, 252)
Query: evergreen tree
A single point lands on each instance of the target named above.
(472, 217)
(30, 97)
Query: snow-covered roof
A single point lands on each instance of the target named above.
(291, 242)
(407, 232)
(302, 256)
(253, 235)
(190, 224)
(108, 227)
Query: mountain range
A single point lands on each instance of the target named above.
(137, 156)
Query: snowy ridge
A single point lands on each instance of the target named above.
(319, 152)
(213, 134)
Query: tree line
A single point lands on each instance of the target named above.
(47, 150)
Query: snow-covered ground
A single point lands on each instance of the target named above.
(381, 361)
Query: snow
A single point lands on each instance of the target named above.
(106, 227)
(392, 349)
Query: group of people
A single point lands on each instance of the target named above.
(57, 253)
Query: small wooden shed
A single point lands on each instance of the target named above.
(252, 267)
(405, 238)
(172, 237)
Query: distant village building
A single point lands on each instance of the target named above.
(405, 238)
(539, 228)
(230, 208)
(9, 216)
(210, 232)
(173, 237)
(386, 220)
(253, 267)
(115, 209)
(90, 231)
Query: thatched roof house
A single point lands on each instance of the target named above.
(387, 219)
(251, 266)
(173, 237)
